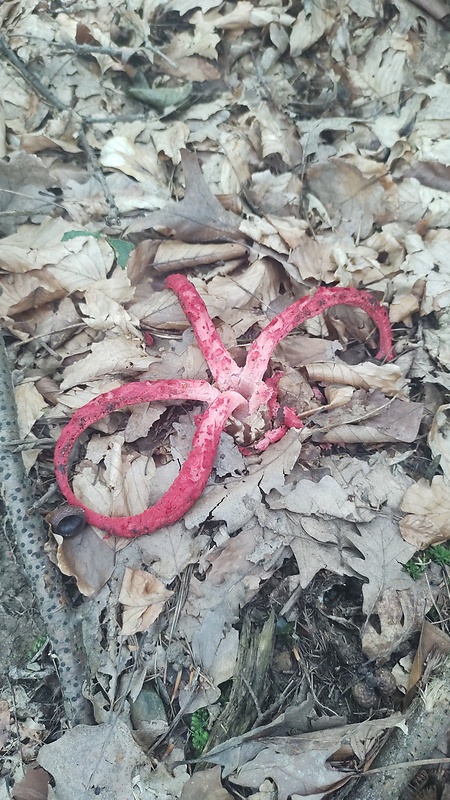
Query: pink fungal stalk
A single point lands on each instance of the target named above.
(194, 473)
(236, 389)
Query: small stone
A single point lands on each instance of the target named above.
(147, 707)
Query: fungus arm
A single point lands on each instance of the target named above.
(222, 365)
(194, 473)
(262, 348)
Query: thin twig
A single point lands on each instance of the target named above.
(92, 50)
(36, 84)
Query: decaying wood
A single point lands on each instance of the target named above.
(29, 534)
(250, 682)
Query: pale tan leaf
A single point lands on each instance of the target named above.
(87, 558)
(428, 513)
(352, 200)
(205, 785)
(112, 355)
(311, 24)
(395, 617)
(33, 247)
(91, 755)
(30, 406)
(172, 255)
(29, 291)
(439, 438)
(143, 597)
(102, 313)
(140, 162)
(171, 140)
(90, 266)
(388, 378)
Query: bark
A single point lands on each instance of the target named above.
(29, 534)
(250, 684)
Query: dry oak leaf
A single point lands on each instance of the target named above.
(439, 438)
(143, 597)
(92, 761)
(205, 785)
(428, 513)
(396, 615)
(199, 217)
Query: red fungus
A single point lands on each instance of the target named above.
(222, 365)
(237, 389)
(307, 307)
(194, 473)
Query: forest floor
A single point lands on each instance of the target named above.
(262, 150)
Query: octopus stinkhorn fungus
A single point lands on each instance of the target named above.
(240, 391)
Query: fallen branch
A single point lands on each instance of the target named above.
(30, 536)
(427, 723)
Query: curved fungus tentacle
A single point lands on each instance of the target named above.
(235, 388)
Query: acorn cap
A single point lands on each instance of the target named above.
(67, 520)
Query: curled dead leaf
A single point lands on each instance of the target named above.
(428, 513)
(143, 597)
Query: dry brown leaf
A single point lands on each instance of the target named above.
(353, 201)
(115, 354)
(5, 723)
(298, 763)
(143, 597)
(395, 617)
(87, 558)
(379, 75)
(24, 180)
(141, 163)
(432, 641)
(205, 785)
(33, 247)
(439, 438)
(199, 217)
(90, 267)
(438, 342)
(388, 378)
(169, 550)
(234, 501)
(92, 756)
(234, 572)
(428, 513)
(431, 173)
(30, 407)
(371, 419)
(310, 25)
(173, 255)
(33, 786)
(102, 313)
(25, 292)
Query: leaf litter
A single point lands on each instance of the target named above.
(278, 172)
